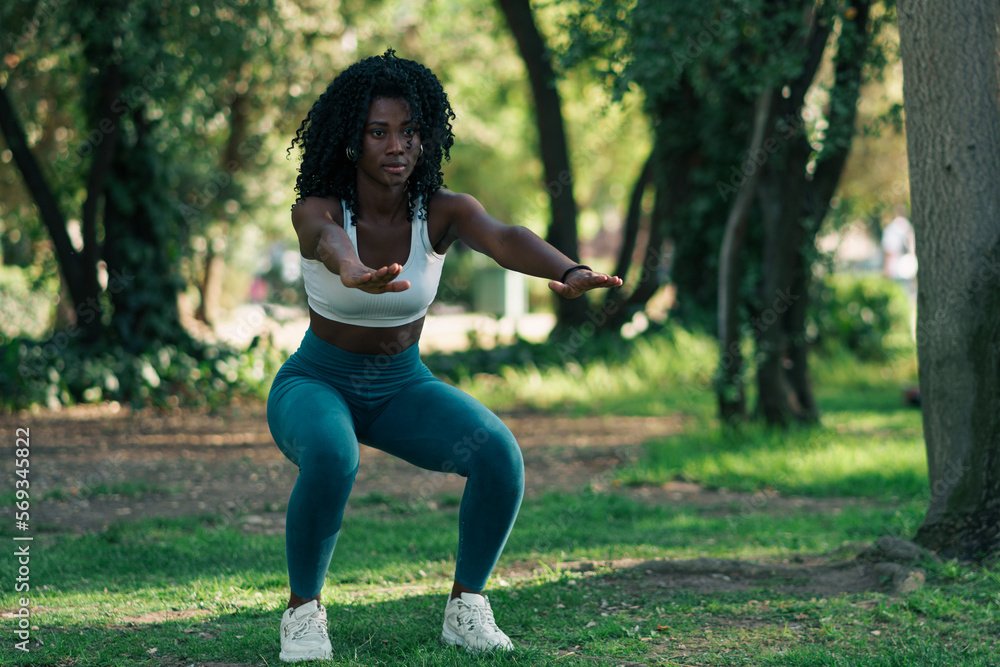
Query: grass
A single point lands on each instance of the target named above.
(200, 590)
(661, 375)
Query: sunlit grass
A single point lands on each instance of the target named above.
(660, 374)
(857, 454)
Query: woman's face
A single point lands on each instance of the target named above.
(390, 146)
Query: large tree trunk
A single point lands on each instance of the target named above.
(552, 141)
(951, 72)
(137, 246)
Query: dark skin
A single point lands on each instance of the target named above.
(390, 150)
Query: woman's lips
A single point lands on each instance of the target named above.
(395, 168)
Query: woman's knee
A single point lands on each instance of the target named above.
(333, 458)
(498, 454)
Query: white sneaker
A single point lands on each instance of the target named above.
(303, 633)
(468, 622)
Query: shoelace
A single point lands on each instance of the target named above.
(310, 625)
(484, 615)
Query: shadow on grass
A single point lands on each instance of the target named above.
(376, 547)
(714, 612)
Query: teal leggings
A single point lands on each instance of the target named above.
(324, 400)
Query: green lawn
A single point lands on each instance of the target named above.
(198, 590)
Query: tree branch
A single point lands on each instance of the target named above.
(851, 47)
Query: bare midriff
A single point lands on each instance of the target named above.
(366, 340)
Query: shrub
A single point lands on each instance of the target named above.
(868, 315)
(19, 303)
(62, 371)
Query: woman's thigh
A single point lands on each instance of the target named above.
(439, 427)
(312, 424)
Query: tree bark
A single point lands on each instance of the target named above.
(729, 378)
(794, 207)
(558, 174)
(951, 75)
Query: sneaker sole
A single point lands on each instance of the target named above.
(302, 657)
(451, 639)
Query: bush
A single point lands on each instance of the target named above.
(19, 303)
(62, 371)
(867, 315)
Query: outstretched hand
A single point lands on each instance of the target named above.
(374, 281)
(582, 280)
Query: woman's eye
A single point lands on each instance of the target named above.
(377, 133)
(409, 131)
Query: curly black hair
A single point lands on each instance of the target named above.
(336, 122)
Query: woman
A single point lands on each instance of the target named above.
(374, 224)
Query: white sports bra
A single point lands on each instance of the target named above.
(328, 296)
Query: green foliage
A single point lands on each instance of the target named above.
(867, 315)
(19, 299)
(62, 371)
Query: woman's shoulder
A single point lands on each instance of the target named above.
(451, 204)
(312, 208)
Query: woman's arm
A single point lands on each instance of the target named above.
(322, 237)
(519, 249)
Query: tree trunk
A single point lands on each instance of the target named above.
(951, 74)
(799, 381)
(782, 190)
(615, 300)
(78, 277)
(558, 174)
(794, 207)
(214, 269)
(729, 377)
(210, 286)
(137, 246)
(633, 217)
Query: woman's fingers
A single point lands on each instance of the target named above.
(380, 280)
(581, 281)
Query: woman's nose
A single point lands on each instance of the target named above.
(395, 144)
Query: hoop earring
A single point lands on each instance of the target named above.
(352, 154)
(421, 153)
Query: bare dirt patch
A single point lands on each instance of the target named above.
(94, 465)
(817, 576)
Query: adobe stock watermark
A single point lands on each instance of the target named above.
(786, 129)
(23, 540)
(782, 301)
(121, 105)
(711, 30)
(198, 201)
(942, 487)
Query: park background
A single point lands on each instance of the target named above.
(712, 485)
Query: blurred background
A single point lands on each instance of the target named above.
(145, 184)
